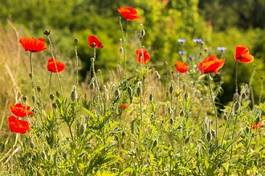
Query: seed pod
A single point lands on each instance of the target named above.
(51, 96)
(171, 121)
(130, 92)
(138, 91)
(75, 41)
(150, 97)
(117, 93)
(213, 133)
(2, 147)
(209, 136)
(57, 94)
(74, 95)
(171, 89)
(33, 99)
(38, 89)
(154, 143)
(121, 50)
(123, 134)
(54, 105)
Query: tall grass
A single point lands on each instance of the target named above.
(126, 123)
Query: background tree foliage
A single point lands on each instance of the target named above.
(217, 22)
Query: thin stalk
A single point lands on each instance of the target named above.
(50, 82)
(261, 91)
(53, 57)
(70, 130)
(7, 153)
(236, 76)
(31, 71)
(248, 146)
(93, 68)
(123, 43)
(213, 104)
(77, 65)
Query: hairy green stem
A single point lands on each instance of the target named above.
(213, 104)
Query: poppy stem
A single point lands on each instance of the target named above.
(50, 82)
(213, 104)
(31, 70)
(123, 43)
(53, 58)
(236, 76)
(93, 68)
(7, 153)
(71, 133)
(77, 63)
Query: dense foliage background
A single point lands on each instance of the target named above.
(217, 22)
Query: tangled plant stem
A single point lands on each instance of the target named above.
(213, 104)
(53, 57)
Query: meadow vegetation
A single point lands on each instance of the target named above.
(112, 99)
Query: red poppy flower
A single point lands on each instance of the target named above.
(257, 125)
(243, 55)
(142, 56)
(32, 44)
(55, 66)
(181, 67)
(21, 110)
(211, 64)
(124, 106)
(17, 126)
(94, 42)
(128, 13)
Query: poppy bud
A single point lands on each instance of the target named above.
(138, 91)
(154, 143)
(57, 94)
(33, 99)
(123, 134)
(157, 75)
(54, 105)
(209, 136)
(51, 96)
(187, 140)
(247, 130)
(30, 75)
(2, 147)
(121, 50)
(75, 41)
(236, 107)
(38, 89)
(74, 95)
(47, 32)
(130, 92)
(142, 32)
(92, 60)
(236, 96)
(171, 89)
(117, 93)
(213, 133)
(81, 128)
(170, 111)
(151, 97)
(24, 98)
(171, 121)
